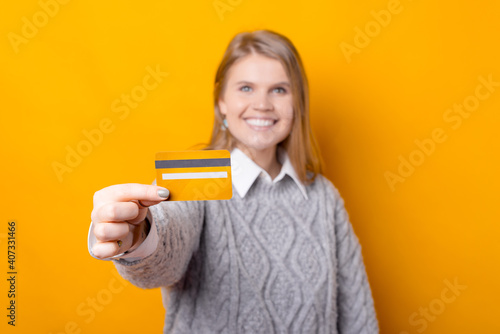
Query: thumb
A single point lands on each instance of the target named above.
(153, 194)
(147, 194)
(161, 193)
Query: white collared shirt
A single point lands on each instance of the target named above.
(244, 172)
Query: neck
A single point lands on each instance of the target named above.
(265, 159)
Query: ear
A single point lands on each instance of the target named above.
(222, 107)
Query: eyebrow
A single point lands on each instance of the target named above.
(283, 83)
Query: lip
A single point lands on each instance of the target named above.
(258, 127)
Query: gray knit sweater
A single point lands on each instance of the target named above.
(271, 262)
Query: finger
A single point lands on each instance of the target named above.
(148, 194)
(143, 204)
(146, 203)
(108, 249)
(111, 231)
(115, 212)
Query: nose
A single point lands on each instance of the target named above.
(262, 102)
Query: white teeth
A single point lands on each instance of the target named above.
(260, 122)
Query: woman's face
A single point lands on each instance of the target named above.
(257, 102)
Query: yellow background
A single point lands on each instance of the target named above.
(439, 225)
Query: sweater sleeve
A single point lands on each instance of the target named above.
(356, 312)
(178, 226)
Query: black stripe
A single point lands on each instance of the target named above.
(223, 162)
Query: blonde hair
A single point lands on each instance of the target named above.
(300, 144)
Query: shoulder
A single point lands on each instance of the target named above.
(325, 186)
(329, 195)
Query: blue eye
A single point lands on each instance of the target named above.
(280, 90)
(244, 88)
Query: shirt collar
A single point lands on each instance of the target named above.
(244, 172)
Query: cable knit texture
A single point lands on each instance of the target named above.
(271, 262)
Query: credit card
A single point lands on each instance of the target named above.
(195, 175)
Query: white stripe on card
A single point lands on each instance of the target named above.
(187, 176)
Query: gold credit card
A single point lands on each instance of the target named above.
(195, 175)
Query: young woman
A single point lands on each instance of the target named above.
(280, 256)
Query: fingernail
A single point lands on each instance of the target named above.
(163, 193)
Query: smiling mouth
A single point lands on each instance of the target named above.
(261, 122)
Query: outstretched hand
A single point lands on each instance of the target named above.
(118, 216)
